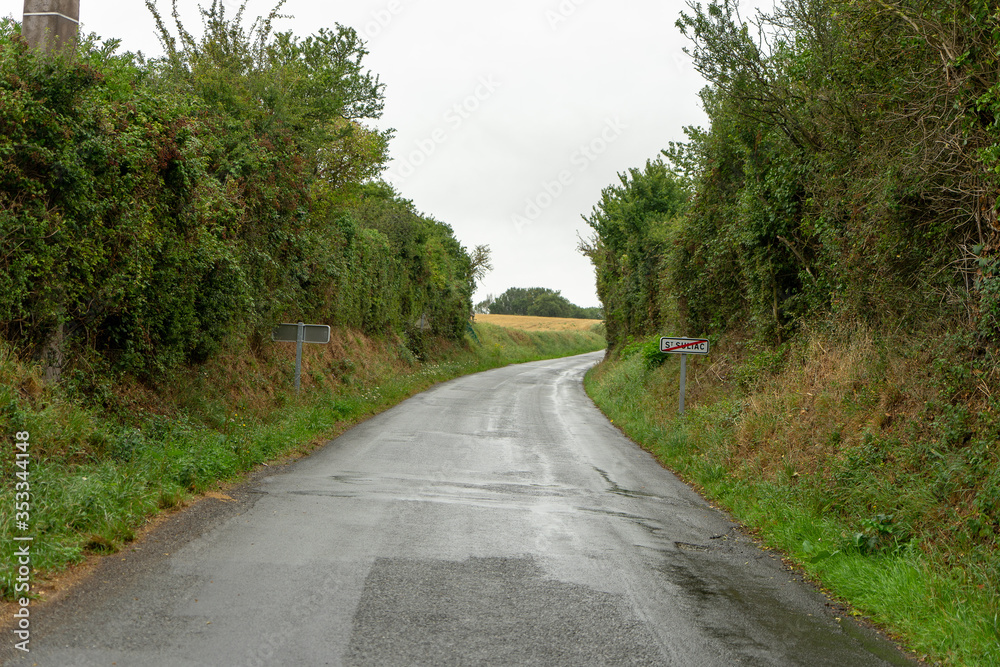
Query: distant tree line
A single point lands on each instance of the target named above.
(151, 210)
(536, 301)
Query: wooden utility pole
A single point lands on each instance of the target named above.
(51, 25)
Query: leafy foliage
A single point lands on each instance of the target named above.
(841, 242)
(535, 301)
(150, 211)
(849, 171)
(633, 224)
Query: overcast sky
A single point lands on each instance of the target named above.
(510, 117)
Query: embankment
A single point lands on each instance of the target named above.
(870, 461)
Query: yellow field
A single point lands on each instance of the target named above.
(528, 323)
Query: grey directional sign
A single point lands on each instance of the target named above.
(300, 333)
(311, 333)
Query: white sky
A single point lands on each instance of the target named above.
(510, 116)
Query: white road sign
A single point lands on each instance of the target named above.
(684, 345)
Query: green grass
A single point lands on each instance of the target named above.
(934, 596)
(102, 465)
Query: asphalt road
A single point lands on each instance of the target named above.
(498, 519)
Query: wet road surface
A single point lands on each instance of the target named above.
(497, 519)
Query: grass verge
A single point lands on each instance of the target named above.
(872, 464)
(105, 454)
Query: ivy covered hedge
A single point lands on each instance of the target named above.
(848, 173)
(151, 210)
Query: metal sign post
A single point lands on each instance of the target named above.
(684, 359)
(298, 355)
(298, 334)
(683, 347)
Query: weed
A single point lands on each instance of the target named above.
(878, 535)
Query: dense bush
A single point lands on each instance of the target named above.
(849, 171)
(151, 210)
(633, 223)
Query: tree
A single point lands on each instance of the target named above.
(861, 130)
(535, 301)
(199, 179)
(550, 304)
(632, 224)
(849, 169)
(481, 263)
(517, 300)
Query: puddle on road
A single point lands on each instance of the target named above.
(760, 618)
(767, 619)
(763, 620)
(507, 494)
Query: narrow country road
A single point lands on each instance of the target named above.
(497, 519)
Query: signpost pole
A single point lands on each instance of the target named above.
(683, 347)
(300, 333)
(683, 379)
(298, 355)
